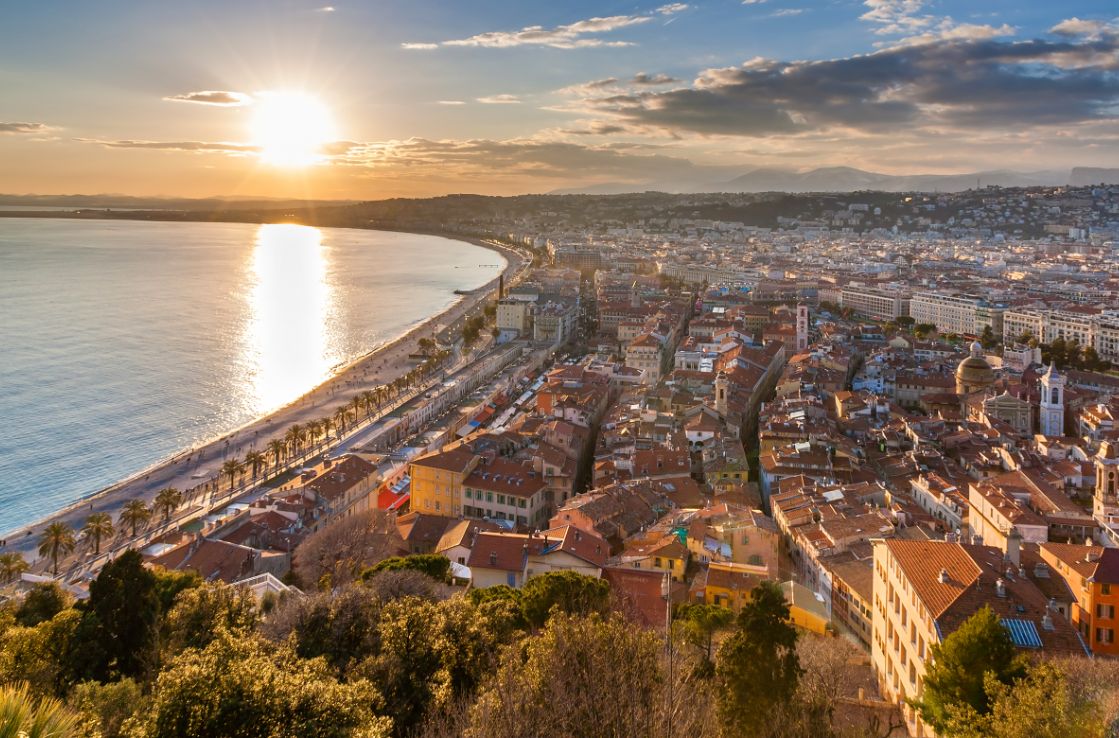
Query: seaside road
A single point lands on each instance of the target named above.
(191, 469)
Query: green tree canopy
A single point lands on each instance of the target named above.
(567, 591)
(124, 608)
(42, 602)
(436, 566)
(244, 686)
(757, 665)
(957, 676)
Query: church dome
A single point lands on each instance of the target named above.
(974, 373)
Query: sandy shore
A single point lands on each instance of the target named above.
(190, 468)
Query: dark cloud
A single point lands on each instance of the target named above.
(224, 98)
(957, 82)
(641, 78)
(525, 158)
(24, 128)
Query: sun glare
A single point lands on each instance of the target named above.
(291, 128)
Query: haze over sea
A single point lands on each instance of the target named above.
(124, 342)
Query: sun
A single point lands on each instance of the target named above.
(291, 128)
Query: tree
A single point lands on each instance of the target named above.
(40, 656)
(277, 448)
(135, 514)
(905, 322)
(97, 526)
(124, 611)
(169, 584)
(231, 468)
(436, 566)
(23, 715)
(1043, 704)
(11, 566)
(956, 678)
(698, 623)
(42, 602)
(340, 627)
(340, 551)
(200, 613)
(988, 338)
(167, 500)
(58, 540)
(761, 651)
(104, 708)
(255, 461)
(244, 686)
(566, 592)
(581, 676)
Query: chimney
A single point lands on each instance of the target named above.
(493, 558)
(1047, 621)
(1000, 587)
(943, 578)
(1014, 547)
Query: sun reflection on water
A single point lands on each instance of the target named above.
(290, 299)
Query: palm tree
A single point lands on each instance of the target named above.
(294, 437)
(134, 514)
(276, 447)
(368, 400)
(327, 426)
(341, 417)
(168, 501)
(314, 430)
(58, 540)
(97, 526)
(357, 403)
(11, 566)
(231, 468)
(256, 461)
(22, 715)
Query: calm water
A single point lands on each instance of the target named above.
(122, 343)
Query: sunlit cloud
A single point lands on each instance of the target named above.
(452, 102)
(326, 9)
(500, 100)
(222, 98)
(578, 35)
(220, 147)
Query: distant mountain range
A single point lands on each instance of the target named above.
(849, 179)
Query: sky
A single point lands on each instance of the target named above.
(421, 97)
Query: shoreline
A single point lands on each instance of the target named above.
(379, 365)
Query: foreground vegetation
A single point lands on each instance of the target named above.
(395, 654)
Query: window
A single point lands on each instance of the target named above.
(1105, 611)
(657, 563)
(501, 499)
(521, 503)
(1105, 589)
(489, 497)
(467, 493)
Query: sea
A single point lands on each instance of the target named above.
(125, 342)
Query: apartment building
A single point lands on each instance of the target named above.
(925, 590)
(875, 303)
(1100, 331)
(1092, 576)
(437, 481)
(963, 314)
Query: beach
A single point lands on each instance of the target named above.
(192, 467)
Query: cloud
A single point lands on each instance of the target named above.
(948, 30)
(418, 46)
(896, 16)
(753, 2)
(596, 128)
(578, 35)
(500, 100)
(452, 102)
(24, 128)
(971, 82)
(652, 80)
(1073, 27)
(491, 161)
(785, 12)
(220, 147)
(326, 9)
(223, 98)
